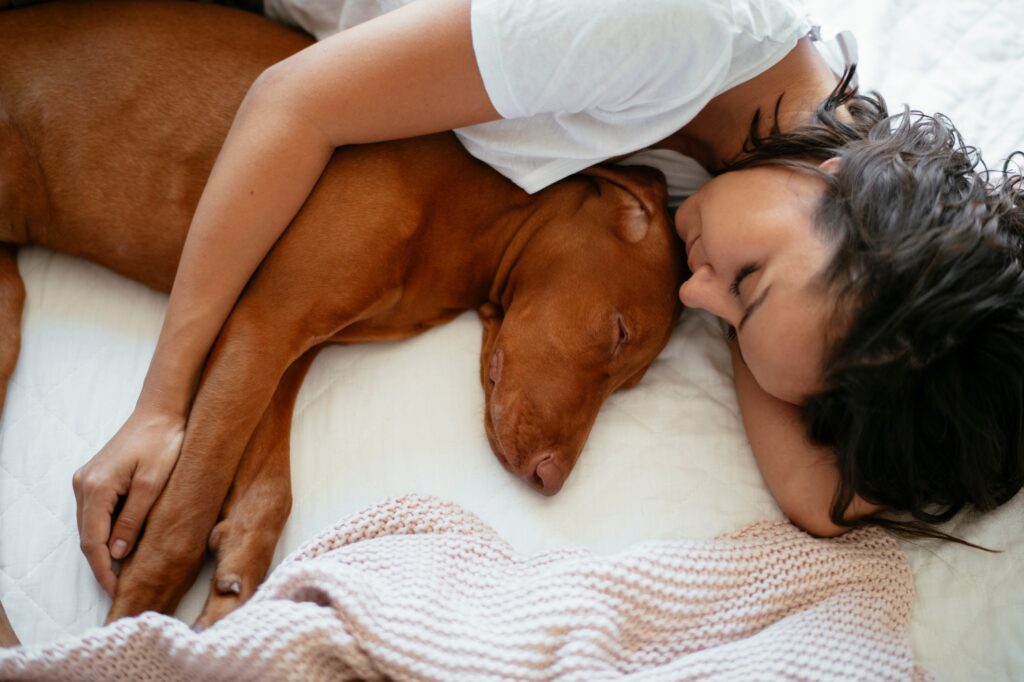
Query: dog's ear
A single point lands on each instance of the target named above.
(643, 196)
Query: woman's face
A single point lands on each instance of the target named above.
(754, 251)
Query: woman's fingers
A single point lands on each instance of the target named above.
(129, 521)
(137, 463)
(147, 484)
(96, 501)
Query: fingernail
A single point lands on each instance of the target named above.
(119, 549)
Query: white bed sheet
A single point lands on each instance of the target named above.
(667, 459)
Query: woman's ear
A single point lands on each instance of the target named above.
(831, 166)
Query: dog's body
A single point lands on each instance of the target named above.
(110, 118)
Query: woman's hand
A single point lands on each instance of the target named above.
(136, 463)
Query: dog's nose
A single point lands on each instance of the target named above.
(545, 475)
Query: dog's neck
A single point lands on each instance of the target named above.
(479, 233)
(519, 226)
(519, 232)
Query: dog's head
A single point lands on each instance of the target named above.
(588, 305)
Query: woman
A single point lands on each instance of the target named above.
(827, 248)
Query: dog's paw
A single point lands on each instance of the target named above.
(228, 591)
(229, 584)
(243, 555)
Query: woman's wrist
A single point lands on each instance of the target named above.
(162, 404)
(152, 417)
(181, 350)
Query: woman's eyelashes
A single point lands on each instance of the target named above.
(734, 289)
(744, 272)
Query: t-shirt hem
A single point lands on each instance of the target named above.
(552, 172)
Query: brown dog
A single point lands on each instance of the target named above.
(110, 117)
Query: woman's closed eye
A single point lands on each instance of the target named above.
(744, 272)
(734, 289)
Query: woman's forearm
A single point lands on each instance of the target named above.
(246, 205)
(801, 476)
(409, 72)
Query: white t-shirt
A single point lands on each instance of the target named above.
(580, 81)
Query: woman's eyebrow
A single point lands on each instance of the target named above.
(754, 306)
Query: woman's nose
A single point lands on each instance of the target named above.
(703, 290)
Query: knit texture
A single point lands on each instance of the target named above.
(416, 588)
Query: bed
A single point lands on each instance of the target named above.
(667, 459)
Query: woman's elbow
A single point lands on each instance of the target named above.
(280, 103)
(818, 525)
(273, 89)
(814, 516)
(811, 516)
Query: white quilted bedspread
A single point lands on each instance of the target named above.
(666, 460)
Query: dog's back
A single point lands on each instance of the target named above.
(90, 145)
(105, 157)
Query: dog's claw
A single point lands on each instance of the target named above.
(229, 584)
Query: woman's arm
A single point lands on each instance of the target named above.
(409, 72)
(800, 475)
(406, 73)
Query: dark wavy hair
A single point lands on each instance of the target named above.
(923, 402)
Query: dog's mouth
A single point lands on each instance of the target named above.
(497, 447)
(529, 463)
(492, 375)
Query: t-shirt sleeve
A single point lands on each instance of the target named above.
(567, 56)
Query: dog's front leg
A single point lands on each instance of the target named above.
(12, 301)
(241, 375)
(244, 539)
(307, 289)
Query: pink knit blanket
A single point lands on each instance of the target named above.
(418, 589)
